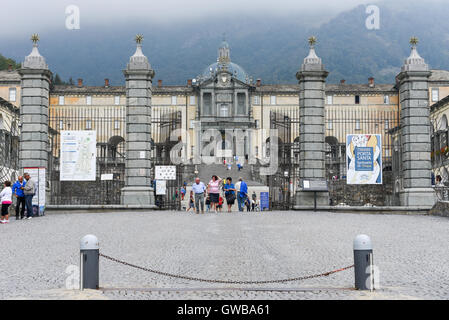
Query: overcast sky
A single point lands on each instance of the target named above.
(25, 16)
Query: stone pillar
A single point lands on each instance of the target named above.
(312, 79)
(35, 88)
(138, 74)
(415, 131)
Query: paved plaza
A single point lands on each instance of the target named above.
(411, 252)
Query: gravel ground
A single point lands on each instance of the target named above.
(411, 252)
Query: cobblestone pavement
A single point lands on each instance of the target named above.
(411, 252)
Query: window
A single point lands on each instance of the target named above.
(241, 103)
(257, 100)
(357, 124)
(207, 103)
(89, 100)
(273, 100)
(88, 124)
(192, 124)
(12, 94)
(116, 124)
(329, 124)
(387, 152)
(330, 99)
(386, 99)
(224, 110)
(174, 100)
(257, 124)
(435, 95)
(61, 100)
(387, 124)
(192, 100)
(357, 99)
(117, 100)
(61, 124)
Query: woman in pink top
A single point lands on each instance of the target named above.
(6, 199)
(213, 188)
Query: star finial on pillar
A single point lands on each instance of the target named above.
(312, 41)
(138, 38)
(35, 38)
(414, 41)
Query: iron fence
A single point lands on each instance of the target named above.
(109, 125)
(339, 122)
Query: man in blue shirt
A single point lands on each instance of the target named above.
(242, 194)
(20, 196)
(198, 189)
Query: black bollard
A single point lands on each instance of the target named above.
(363, 263)
(89, 262)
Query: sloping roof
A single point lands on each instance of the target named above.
(331, 88)
(8, 105)
(9, 76)
(113, 90)
(439, 75)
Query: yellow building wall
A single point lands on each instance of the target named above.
(4, 93)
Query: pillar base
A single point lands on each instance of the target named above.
(418, 197)
(143, 196)
(307, 198)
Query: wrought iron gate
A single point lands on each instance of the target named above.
(164, 123)
(9, 141)
(282, 184)
(109, 124)
(339, 123)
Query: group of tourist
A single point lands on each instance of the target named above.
(210, 195)
(23, 190)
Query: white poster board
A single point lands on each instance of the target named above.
(165, 173)
(364, 158)
(38, 176)
(161, 187)
(78, 155)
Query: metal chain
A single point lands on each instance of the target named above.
(225, 281)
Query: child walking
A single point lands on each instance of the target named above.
(6, 199)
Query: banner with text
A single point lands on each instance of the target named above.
(364, 158)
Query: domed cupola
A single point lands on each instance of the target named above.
(224, 64)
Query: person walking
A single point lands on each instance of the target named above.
(183, 193)
(220, 203)
(213, 189)
(229, 190)
(207, 203)
(242, 194)
(191, 202)
(29, 191)
(198, 188)
(254, 199)
(20, 197)
(6, 199)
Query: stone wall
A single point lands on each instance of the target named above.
(360, 195)
(441, 208)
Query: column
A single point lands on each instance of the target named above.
(138, 75)
(312, 80)
(35, 87)
(415, 131)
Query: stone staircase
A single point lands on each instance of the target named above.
(207, 171)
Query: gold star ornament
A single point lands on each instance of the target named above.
(35, 38)
(414, 41)
(312, 41)
(139, 38)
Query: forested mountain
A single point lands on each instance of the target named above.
(270, 48)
